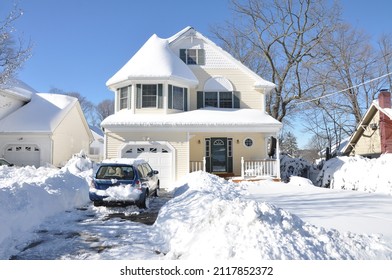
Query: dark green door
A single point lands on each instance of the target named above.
(219, 154)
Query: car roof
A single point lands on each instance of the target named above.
(119, 161)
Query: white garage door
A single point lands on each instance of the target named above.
(159, 156)
(23, 155)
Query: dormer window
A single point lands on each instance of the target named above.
(218, 92)
(193, 56)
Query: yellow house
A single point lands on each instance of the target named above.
(184, 104)
(373, 135)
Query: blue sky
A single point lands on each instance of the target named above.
(79, 44)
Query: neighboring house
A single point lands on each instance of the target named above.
(42, 129)
(373, 135)
(97, 146)
(185, 104)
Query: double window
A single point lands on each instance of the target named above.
(222, 99)
(193, 56)
(149, 96)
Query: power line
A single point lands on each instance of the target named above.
(333, 93)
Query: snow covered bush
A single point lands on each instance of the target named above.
(358, 173)
(290, 166)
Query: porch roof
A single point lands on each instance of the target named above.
(206, 119)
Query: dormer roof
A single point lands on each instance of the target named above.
(154, 61)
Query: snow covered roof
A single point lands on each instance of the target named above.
(155, 61)
(41, 115)
(260, 83)
(18, 89)
(206, 119)
(374, 107)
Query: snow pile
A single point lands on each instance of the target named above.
(210, 219)
(29, 195)
(358, 173)
(121, 192)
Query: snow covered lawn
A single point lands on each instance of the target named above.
(211, 218)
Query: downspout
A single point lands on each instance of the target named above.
(277, 157)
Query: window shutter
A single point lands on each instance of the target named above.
(183, 55)
(201, 57)
(138, 96)
(160, 96)
(237, 99)
(185, 99)
(200, 101)
(170, 97)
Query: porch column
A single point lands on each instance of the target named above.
(277, 157)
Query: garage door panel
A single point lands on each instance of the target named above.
(23, 155)
(158, 156)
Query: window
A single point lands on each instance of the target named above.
(193, 56)
(149, 96)
(248, 142)
(123, 98)
(178, 98)
(223, 99)
(210, 99)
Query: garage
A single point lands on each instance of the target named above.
(23, 155)
(159, 156)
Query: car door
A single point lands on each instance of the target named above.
(150, 176)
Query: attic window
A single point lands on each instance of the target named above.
(193, 56)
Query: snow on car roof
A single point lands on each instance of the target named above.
(123, 161)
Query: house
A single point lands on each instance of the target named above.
(97, 146)
(373, 135)
(40, 128)
(184, 104)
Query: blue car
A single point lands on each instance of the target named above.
(123, 182)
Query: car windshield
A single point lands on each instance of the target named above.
(115, 172)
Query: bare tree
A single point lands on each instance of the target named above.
(280, 40)
(105, 108)
(13, 53)
(385, 48)
(88, 108)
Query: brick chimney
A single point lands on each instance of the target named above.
(384, 100)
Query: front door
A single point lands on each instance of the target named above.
(219, 155)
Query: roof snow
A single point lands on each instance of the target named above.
(155, 60)
(42, 114)
(18, 89)
(197, 120)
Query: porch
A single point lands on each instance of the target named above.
(250, 169)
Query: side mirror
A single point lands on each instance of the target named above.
(156, 172)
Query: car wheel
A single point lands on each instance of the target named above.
(98, 203)
(156, 192)
(144, 200)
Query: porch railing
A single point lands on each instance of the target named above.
(197, 165)
(249, 168)
(259, 168)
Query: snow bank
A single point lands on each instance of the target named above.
(358, 173)
(31, 195)
(210, 219)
